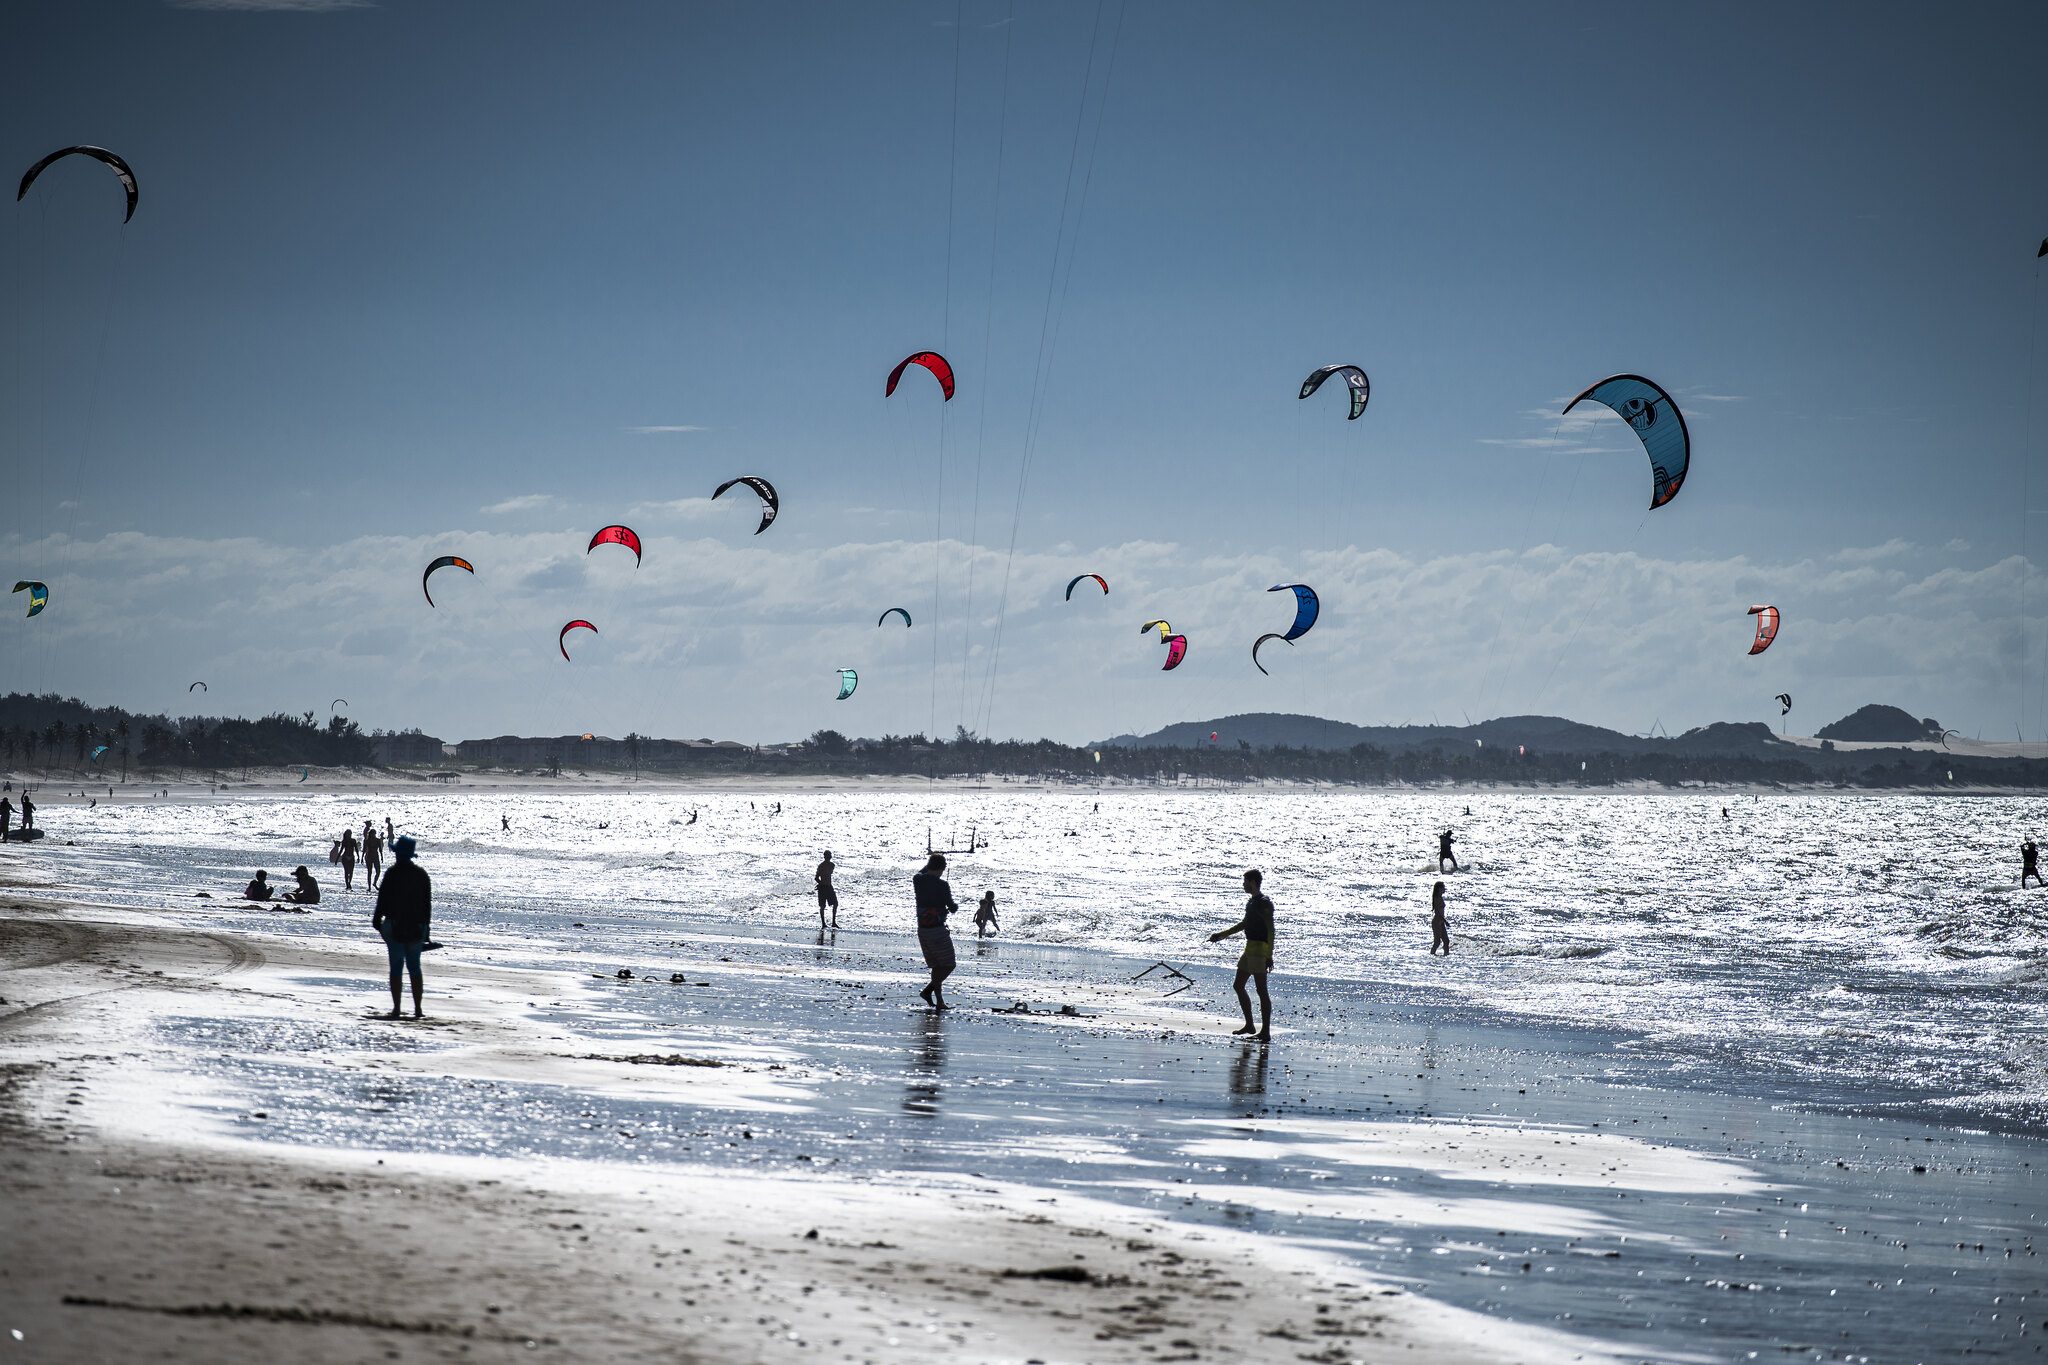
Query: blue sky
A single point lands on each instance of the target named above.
(411, 278)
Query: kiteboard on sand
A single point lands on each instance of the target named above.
(23, 836)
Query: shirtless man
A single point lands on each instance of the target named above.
(826, 895)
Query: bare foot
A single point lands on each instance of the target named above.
(1245, 1030)
(393, 1015)
(925, 995)
(1265, 1035)
(419, 1014)
(942, 1005)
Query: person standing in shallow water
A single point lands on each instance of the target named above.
(348, 860)
(934, 903)
(2028, 866)
(826, 895)
(403, 918)
(1439, 927)
(1443, 852)
(373, 855)
(1257, 958)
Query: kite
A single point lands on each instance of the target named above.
(1784, 700)
(848, 680)
(896, 611)
(1658, 424)
(617, 535)
(197, 687)
(2044, 249)
(1164, 629)
(305, 773)
(38, 594)
(1176, 650)
(1766, 628)
(337, 704)
(1306, 608)
(588, 735)
(931, 360)
(1946, 733)
(114, 163)
(1080, 577)
(1212, 736)
(1270, 635)
(97, 751)
(770, 504)
(1361, 387)
(444, 562)
(561, 640)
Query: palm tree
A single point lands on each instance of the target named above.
(55, 735)
(121, 733)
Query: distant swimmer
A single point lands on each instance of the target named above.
(827, 897)
(1439, 927)
(2028, 867)
(308, 891)
(1257, 958)
(1443, 852)
(985, 915)
(934, 903)
(778, 808)
(258, 889)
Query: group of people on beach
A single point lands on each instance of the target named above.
(371, 848)
(28, 814)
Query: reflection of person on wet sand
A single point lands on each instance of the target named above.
(1257, 958)
(934, 903)
(1248, 1071)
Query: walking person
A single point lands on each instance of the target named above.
(985, 915)
(826, 895)
(373, 855)
(348, 859)
(1439, 927)
(403, 918)
(934, 903)
(2028, 866)
(1443, 852)
(1257, 958)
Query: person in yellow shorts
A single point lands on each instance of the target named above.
(1256, 959)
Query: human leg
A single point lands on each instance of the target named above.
(1265, 1009)
(1244, 1000)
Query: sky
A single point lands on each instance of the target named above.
(422, 278)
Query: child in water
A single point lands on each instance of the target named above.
(1439, 927)
(985, 915)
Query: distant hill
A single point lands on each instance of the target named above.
(1875, 724)
(1271, 730)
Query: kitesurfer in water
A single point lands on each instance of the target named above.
(1439, 927)
(693, 816)
(2028, 854)
(1256, 959)
(1443, 852)
(505, 823)
(985, 915)
(934, 903)
(827, 897)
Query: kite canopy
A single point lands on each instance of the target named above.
(38, 594)
(1766, 628)
(1658, 424)
(931, 360)
(617, 535)
(197, 687)
(113, 162)
(1164, 629)
(1361, 387)
(97, 751)
(848, 680)
(562, 639)
(1306, 608)
(2044, 249)
(444, 562)
(1081, 578)
(1176, 650)
(1269, 635)
(1784, 700)
(1946, 733)
(770, 504)
(896, 611)
(337, 704)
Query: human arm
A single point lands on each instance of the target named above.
(1222, 934)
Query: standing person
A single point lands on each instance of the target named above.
(403, 918)
(1443, 852)
(388, 835)
(826, 895)
(1257, 958)
(505, 824)
(373, 855)
(28, 810)
(1439, 927)
(934, 903)
(348, 859)
(6, 817)
(2028, 854)
(985, 915)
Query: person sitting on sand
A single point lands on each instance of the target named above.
(985, 915)
(1443, 852)
(308, 892)
(259, 889)
(1257, 958)
(1439, 927)
(348, 859)
(2028, 854)
(826, 895)
(403, 918)
(934, 903)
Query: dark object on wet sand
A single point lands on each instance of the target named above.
(1063, 1274)
(1172, 972)
(23, 836)
(624, 974)
(655, 1059)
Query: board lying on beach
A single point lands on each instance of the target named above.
(23, 836)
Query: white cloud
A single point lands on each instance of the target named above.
(658, 431)
(525, 502)
(682, 509)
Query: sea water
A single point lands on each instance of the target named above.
(1852, 949)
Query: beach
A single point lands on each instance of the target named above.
(624, 1120)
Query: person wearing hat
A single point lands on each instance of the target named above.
(308, 890)
(404, 914)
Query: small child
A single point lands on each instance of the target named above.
(1439, 929)
(985, 915)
